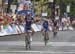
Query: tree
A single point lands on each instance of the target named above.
(64, 3)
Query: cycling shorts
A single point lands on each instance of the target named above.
(27, 28)
(46, 29)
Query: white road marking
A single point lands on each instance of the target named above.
(20, 51)
(4, 51)
(22, 43)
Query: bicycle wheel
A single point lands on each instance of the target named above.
(54, 34)
(27, 41)
(45, 39)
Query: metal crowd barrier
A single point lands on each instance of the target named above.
(19, 29)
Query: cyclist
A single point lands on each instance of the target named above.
(28, 22)
(45, 27)
(55, 27)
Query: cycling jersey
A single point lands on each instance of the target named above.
(28, 21)
(55, 23)
(63, 23)
(45, 25)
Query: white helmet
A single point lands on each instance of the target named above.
(28, 13)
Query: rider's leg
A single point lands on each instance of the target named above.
(25, 30)
(32, 31)
(47, 31)
(43, 31)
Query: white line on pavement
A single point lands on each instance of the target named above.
(22, 43)
(4, 51)
(20, 51)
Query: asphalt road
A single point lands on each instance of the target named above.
(64, 43)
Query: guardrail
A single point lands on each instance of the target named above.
(18, 29)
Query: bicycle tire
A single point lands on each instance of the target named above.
(27, 41)
(45, 38)
(54, 34)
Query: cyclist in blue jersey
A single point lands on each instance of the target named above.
(45, 27)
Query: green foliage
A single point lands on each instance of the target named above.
(14, 0)
(49, 12)
(64, 3)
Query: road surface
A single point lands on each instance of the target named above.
(64, 43)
